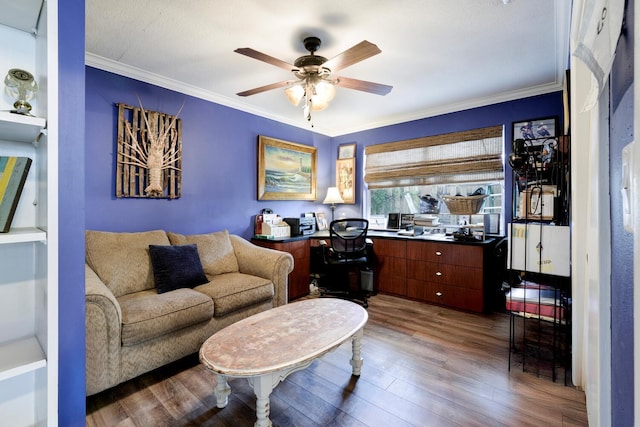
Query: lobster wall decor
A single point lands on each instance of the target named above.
(149, 162)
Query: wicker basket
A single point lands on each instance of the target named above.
(464, 205)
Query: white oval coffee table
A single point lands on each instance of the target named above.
(267, 347)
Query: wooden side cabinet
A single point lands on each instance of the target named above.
(299, 277)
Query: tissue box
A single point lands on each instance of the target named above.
(278, 230)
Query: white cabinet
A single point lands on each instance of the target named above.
(29, 251)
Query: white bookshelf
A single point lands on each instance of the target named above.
(28, 252)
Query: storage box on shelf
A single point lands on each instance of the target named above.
(28, 251)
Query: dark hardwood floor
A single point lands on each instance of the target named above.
(423, 366)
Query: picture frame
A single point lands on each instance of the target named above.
(321, 221)
(346, 179)
(535, 131)
(286, 170)
(347, 151)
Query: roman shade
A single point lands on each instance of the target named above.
(458, 157)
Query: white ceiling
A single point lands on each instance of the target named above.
(439, 56)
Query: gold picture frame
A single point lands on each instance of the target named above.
(286, 170)
(346, 179)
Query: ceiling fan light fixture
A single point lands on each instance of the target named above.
(323, 93)
(294, 94)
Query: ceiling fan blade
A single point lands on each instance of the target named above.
(263, 88)
(353, 55)
(251, 53)
(377, 88)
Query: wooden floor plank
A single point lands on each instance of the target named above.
(423, 365)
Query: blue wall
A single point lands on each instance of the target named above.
(621, 133)
(219, 176)
(71, 213)
(219, 181)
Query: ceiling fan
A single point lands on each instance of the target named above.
(315, 81)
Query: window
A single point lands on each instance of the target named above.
(407, 176)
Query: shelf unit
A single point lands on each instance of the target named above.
(538, 295)
(29, 251)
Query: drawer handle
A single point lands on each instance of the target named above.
(438, 273)
(438, 253)
(438, 294)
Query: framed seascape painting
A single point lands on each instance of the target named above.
(286, 170)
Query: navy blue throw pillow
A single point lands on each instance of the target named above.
(176, 266)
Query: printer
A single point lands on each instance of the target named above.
(302, 226)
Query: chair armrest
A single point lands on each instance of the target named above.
(103, 326)
(264, 262)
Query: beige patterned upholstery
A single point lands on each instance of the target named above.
(121, 260)
(148, 314)
(215, 250)
(131, 329)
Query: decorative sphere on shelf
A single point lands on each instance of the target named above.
(21, 85)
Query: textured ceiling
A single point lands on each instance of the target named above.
(439, 56)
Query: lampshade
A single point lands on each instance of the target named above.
(323, 94)
(333, 196)
(294, 94)
(316, 91)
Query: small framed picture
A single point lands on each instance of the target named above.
(406, 220)
(346, 179)
(321, 221)
(347, 151)
(536, 130)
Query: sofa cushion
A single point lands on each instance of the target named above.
(121, 260)
(148, 314)
(176, 266)
(233, 291)
(216, 252)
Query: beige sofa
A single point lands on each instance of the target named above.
(131, 328)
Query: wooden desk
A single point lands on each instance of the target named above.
(465, 275)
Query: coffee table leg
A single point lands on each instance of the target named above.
(356, 360)
(222, 391)
(262, 387)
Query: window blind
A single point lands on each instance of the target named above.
(458, 157)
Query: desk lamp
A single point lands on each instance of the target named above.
(333, 197)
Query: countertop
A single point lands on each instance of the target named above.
(391, 234)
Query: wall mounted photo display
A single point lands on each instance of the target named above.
(286, 170)
(13, 174)
(346, 179)
(535, 131)
(347, 151)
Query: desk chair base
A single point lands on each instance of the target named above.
(342, 290)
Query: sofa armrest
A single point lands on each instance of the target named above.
(264, 262)
(103, 327)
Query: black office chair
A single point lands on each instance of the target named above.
(350, 252)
